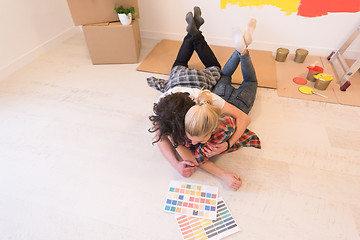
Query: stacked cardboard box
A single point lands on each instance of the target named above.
(107, 39)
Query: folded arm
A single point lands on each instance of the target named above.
(241, 118)
(186, 167)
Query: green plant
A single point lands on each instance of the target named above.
(126, 11)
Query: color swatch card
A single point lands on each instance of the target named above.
(195, 228)
(192, 200)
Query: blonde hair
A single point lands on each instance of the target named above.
(203, 118)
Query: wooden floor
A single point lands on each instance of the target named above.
(77, 161)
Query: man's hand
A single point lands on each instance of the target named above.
(186, 168)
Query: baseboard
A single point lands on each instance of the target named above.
(32, 54)
(266, 46)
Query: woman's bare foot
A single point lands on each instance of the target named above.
(249, 31)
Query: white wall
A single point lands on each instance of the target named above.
(320, 35)
(29, 28)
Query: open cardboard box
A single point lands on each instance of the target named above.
(112, 42)
(97, 11)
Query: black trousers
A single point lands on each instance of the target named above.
(197, 43)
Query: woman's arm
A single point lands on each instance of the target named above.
(232, 180)
(241, 118)
(186, 168)
(186, 154)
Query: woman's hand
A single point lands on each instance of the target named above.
(232, 180)
(215, 149)
(186, 168)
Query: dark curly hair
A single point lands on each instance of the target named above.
(169, 117)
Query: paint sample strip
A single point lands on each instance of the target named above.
(190, 199)
(195, 228)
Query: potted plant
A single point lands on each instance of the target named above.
(125, 14)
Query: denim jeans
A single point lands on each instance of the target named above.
(197, 43)
(242, 97)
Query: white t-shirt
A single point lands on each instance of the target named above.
(194, 93)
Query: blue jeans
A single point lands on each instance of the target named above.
(242, 97)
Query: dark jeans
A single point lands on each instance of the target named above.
(197, 43)
(242, 97)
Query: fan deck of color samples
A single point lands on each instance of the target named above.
(192, 200)
(195, 228)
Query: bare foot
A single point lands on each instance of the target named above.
(249, 31)
(232, 180)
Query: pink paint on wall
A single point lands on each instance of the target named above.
(315, 8)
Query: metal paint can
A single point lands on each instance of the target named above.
(300, 55)
(322, 81)
(281, 54)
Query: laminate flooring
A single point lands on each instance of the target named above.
(76, 159)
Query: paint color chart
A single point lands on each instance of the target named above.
(195, 228)
(192, 200)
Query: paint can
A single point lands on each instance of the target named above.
(300, 55)
(322, 81)
(313, 70)
(281, 54)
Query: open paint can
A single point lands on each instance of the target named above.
(322, 81)
(313, 70)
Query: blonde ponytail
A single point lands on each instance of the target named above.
(203, 118)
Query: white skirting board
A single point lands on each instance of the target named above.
(352, 53)
(19, 62)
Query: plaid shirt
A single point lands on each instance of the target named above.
(181, 76)
(225, 130)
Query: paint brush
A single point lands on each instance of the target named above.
(316, 93)
(309, 90)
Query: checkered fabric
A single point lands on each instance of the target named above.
(225, 130)
(181, 76)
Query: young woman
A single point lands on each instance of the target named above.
(184, 101)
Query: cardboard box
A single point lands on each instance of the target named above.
(113, 42)
(97, 11)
